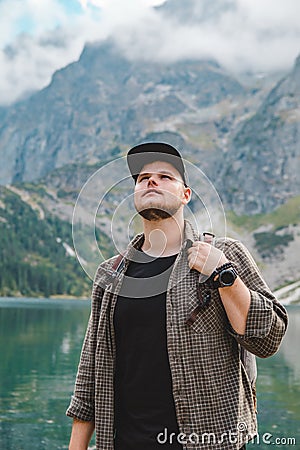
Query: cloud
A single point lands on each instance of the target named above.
(248, 35)
(107, 3)
(52, 36)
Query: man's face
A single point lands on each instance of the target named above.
(159, 191)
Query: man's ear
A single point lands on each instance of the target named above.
(187, 195)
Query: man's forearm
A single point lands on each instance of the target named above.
(81, 434)
(236, 300)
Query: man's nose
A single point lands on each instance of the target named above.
(152, 180)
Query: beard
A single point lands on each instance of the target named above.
(157, 209)
(155, 214)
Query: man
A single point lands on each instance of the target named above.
(162, 362)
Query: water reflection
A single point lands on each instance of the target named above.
(40, 345)
(279, 388)
(290, 345)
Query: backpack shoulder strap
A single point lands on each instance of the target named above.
(208, 237)
(117, 264)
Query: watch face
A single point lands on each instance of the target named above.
(227, 277)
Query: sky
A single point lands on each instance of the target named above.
(38, 37)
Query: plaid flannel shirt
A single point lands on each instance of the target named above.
(212, 392)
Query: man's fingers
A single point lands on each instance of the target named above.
(204, 257)
(192, 257)
(199, 246)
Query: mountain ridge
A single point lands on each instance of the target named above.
(100, 103)
(269, 143)
(244, 138)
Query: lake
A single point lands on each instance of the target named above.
(40, 342)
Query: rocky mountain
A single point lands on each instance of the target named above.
(264, 154)
(98, 107)
(245, 138)
(102, 104)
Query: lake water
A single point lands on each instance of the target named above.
(40, 342)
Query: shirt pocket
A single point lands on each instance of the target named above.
(211, 318)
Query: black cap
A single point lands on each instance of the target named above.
(149, 152)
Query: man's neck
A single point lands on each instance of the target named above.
(163, 237)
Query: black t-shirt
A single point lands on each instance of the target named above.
(144, 404)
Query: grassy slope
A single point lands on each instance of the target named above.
(282, 217)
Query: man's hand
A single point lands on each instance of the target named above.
(236, 299)
(205, 258)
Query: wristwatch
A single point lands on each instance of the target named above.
(223, 276)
